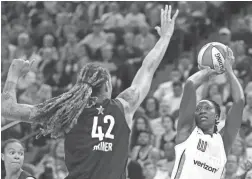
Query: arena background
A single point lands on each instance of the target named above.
(63, 36)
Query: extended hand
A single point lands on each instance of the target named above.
(19, 67)
(167, 23)
(229, 60)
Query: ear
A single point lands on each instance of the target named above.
(2, 156)
(217, 117)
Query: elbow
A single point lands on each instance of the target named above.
(190, 83)
(240, 101)
(6, 108)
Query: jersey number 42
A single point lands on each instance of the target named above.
(97, 130)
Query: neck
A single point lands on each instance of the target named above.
(209, 132)
(101, 98)
(12, 174)
(152, 114)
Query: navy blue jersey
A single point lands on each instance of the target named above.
(97, 146)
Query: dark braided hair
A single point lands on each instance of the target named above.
(218, 111)
(58, 115)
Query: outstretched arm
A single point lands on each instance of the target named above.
(135, 94)
(234, 117)
(10, 108)
(187, 109)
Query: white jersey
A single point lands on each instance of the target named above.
(200, 156)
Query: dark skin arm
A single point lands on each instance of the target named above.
(186, 122)
(234, 117)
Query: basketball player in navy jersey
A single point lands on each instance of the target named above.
(201, 150)
(96, 128)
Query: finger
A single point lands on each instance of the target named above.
(169, 13)
(31, 62)
(166, 13)
(161, 17)
(175, 15)
(158, 30)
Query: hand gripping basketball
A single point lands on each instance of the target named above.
(167, 23)
(19, 67)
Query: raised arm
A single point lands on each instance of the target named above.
(234, 117)
(135, 94)
(187, 108)
(10, 108)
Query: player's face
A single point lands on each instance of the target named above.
(140, 124)
(167, 123)
(205, 115)
(13, 156)
(143, 139)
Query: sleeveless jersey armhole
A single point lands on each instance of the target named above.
(119, 104)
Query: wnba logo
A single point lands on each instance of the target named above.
(202, 145)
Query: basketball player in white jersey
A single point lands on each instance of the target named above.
(201, 151)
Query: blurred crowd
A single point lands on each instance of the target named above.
(61, 37)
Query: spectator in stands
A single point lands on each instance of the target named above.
(185, 66)
(48, 42)
(151, 106)
(247, 112)
(23, 40)
(239, 150)
(225, 36)
(144, 151)
(145, 40)
(231, 167)
(219, 100)
(249, 174)
(166, 88)
(134, 170)
(113, 19)
(96, 39)
(174, 99)
(135, 17)
(140, 123)
(169, 134)
(132, 58)
(59, 79)
(166, 164)
(13, 159)
(152, 12)
(149, 170)
(68, 52)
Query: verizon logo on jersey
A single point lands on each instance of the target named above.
(103, 146)
(205, 166)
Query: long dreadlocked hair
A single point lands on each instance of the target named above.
(218, 111)
(58, 115)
